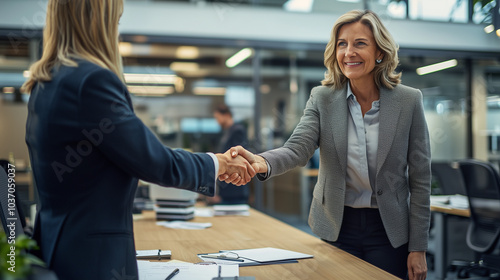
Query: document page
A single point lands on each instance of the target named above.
(187, 271)
(270, 254)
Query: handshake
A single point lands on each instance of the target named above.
(238, 166)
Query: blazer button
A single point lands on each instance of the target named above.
(380, 192)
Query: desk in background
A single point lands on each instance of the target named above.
(256, 231)
(441, 214)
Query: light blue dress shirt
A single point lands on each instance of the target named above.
(362, 137)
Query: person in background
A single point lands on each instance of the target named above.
(234, 134)
(88, 148)
(372, 196)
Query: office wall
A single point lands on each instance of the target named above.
(447, 135)
(12, 130)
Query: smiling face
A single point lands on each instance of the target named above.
(357, 51)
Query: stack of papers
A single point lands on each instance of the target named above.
(187, 271)
(451, 201)
(259, 256)
(228, 210)
(203, 212)
(170, 209)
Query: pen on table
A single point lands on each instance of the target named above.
(171, 275)
(222, 258)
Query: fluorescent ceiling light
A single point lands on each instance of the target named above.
(187, 52)
(129, 49)
(238, 57)
(209, 90)
(304, 6)
(8, 90)
(125, 48)
(397, 9)
(150, 90)
(184, 66)
(150, 78)
(490, 28)
(437, 67)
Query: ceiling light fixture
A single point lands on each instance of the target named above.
(150, 90)
(437, 67)
(304, 6)
(187, 52)
(125, 48)
(150, 78)
(184, 66)
(9, 90)
(238, 57)
(209, 90)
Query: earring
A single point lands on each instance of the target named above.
(378, 60)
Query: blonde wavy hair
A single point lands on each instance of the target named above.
(384, 72)
(79, 29)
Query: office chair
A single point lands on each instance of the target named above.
(482, 183)
(448, 178)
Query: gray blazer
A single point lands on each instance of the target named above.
(403, 163)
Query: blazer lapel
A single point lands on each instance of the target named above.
(388, 118)
(338, 116)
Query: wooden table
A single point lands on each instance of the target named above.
(256, 231)
(441, 229)
(451, 211)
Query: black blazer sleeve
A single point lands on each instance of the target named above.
(108, 121)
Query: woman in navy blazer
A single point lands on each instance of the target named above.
(88, 148)
(373, 190)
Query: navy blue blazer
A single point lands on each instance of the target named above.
(87, 150)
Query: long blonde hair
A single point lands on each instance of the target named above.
(84, 29)
(384, 72)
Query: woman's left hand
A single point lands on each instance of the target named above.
(417, 266)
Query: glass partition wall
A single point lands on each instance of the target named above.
(182, 115)
(176, 83)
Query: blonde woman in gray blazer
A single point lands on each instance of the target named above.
(371, 198)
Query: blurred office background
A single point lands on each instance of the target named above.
(262, 58)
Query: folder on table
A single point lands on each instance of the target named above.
(259, 256)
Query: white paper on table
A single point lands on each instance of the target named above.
(459, 201)
(187, 271)
(204, 212)
(231, 210)
(450, 201)
(184, 225)
(269, 254)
